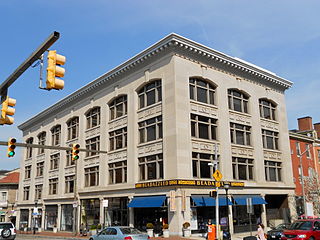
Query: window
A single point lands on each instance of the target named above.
(40, 168)
(151, 167)
(73, 128)
(307, 150)
(118, 107)
(54, 161)
(201, 91)
(41, 141)
(27, 172)
(38, 192)
(29, 149)
(118, 172)
(272, 171)
(267, 109)
(238, 101)
(150, 129)
(242, 168)
(200, 165)
(53, 186)
(69, 184)
(3, 197)
(240, 134)
(298, 148)
(26, 193)
(92, 144)
(91, 176)
(118, 139)
(69, 161)
(150, 94)
(270, 139)
(56, 135)
(93, 117)
(203, 127)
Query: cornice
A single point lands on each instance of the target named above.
(173, 42)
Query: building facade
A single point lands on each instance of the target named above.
(169, 118)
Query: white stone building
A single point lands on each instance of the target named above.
(163, 115)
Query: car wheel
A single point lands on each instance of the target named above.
(6, 233)
(311, 238)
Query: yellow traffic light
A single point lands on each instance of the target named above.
(75, 151)
(11, 147)
(7, 111)
(54, 70)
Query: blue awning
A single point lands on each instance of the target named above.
(206, 201)
(256, 200)
(147, 202)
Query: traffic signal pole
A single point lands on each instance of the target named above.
(36, 55)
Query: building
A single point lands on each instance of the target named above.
(305, 155)
(8, 195)
(166, 117)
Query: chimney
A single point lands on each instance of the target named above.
(317, 128)
(305, 123)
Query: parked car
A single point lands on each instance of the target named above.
(303, 230)
(119, 232)
(7, 230)
(275, 233)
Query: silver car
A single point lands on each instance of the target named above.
(118, 232)
(7, 230)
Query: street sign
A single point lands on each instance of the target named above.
(75, 204)
(35, 211)
(249, 206)
(217, 175)
(105, 203)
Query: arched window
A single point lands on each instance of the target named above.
(73, 128)
(41, 141)
(118, 107)
(238, 101)
(201, 91)
(150, 94)
(93, 117)
(56, 135)
(267, 109)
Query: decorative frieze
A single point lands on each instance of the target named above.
(150, 112)
(69, 170)
(272, 155)
(270, 125)
(40, 158)
(210, 111)
(92, 160)
(239, 151)
(92, 132)
(53, 173)
(121, 122)
(153, 148)
(239, 118)
(205, 147)
(117, 156)
(38, 180)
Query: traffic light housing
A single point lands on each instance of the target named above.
(213, 194)
(7, 110)
(54, 70)
(11, 147)
(75, 151)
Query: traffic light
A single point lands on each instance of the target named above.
(7, 111)
(75, 151)
(54, 70)
(213, 193)
(11, 147)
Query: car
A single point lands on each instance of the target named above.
(121, 233)
(7, 230)
(302, 229)
(275, 233)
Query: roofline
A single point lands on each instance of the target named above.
(171, 40)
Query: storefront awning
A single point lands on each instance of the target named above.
(256, 200)
(206, 201)
(147, 202)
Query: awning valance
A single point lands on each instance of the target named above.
(206, 201)
(256, 200)
(147, 202)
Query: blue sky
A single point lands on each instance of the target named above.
(281, 36)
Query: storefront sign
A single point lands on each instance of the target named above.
(182, 182)
(105, 203)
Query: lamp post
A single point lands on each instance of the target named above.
(226, 187)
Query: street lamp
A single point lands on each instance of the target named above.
(226, 187)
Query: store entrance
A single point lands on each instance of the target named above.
(156, 216)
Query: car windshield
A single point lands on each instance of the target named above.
(301, 225)
(130, 231)
(280, 227)
(5, 225)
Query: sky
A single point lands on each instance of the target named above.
(96, 36)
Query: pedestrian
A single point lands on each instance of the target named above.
(260, 234)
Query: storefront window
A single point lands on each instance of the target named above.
(66, 217)
(51, 217)
(117, 212)
(90, 212)
(24, 218)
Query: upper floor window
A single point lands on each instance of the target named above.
(56, 135)
(267, 109)
(203, 127)
(201, 91)
(200, 165)
(73, 128)
(53, 186)
(242, 168)
(93, 117)
(238, 101)
(118, 139)
(3, 196)
(29, 149)
(91, 176)
(118, 172)
(150, 94)
(150, 129)
(118, 107)
(41, 141)
(93, 144)
(273, 171)
(270, 139)
(240, 134)
(307, 150)
(54, 161)
(298, 148)
(27, 172)
(151, 167)
(38, 191)
(26, 193)
(69, 184)
(40, 169)
(69, 162)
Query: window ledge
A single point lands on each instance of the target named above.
(118, 150)
(269, 120)
(117, 119)
(239, 113)
(92, 129)
(149, 107)
(204, 104)
(151, 142)
(242, 146)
